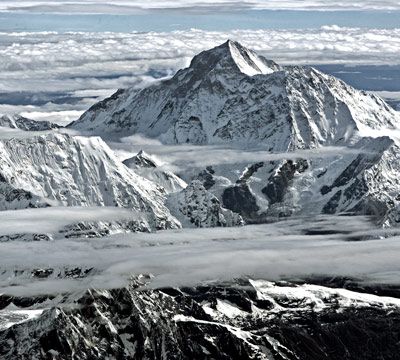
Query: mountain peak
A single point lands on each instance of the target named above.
(141, 159)
(233, 55)
(22, 123)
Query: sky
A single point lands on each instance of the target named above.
(57, 58)
(138, 6)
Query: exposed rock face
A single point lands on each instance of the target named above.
(25, 237)
(22, 123)
(206, 177)
(278, 184)
(12, 198)
(195, 206)
(75, 171)
(240, 200)
(256, 320)
(148, 167)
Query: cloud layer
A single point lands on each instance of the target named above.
(51, 220)
(50, 61)
(181, 257)
(78, 69)
(137, 6)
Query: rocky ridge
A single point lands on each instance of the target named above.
(244, 320)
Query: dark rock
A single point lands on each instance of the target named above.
(277, 185)
(206, 177)
(333, 203)
(127, 323)
(239, 199)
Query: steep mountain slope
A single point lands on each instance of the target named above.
(75, 171)
(358, 180)
(229, 95)
(59, 169)
(148, 167)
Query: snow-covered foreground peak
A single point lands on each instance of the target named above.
(190, 306)
(59, 169)
(236, 320)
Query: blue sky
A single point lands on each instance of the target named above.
(222, 20)
(216, 15)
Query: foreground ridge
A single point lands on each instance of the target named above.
(244, 320)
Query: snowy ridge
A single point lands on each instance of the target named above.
(248, 61)
(22, 123)
(148, 167)
(75, 171)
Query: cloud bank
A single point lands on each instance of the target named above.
(51, 220)
(78, 61)
(63, 73)
(138, 6)
(285, 250)
(184, 157)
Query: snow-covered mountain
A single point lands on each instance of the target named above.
(23, 123)
(191, 204)
(231, 96)
(309, 144)
(148, 167)
(59, 169)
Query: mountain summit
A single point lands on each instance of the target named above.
(233, 97)
(232, 56)
(229, 94)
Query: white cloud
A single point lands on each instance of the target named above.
(138, 6)
(182, 257)
(181, 158)
(51, 220)
(62, 118)
(79, 61)
(88, 66)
